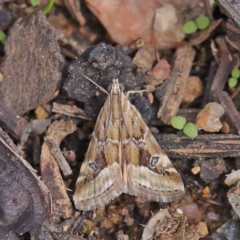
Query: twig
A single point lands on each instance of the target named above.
(175, 85)
(63, 164)
(222, 73)
(69, 110)
(231, 112)
(231, 8)
(204, 146)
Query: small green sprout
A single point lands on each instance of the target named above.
(189, 27)
(235, 73)
(2, 37)
(190, 130)
(34, 3)
(232, 82)
(178, 122)
(202, 22)
(48, 7)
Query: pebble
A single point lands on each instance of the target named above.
(195, 170)
(211, 169)
(208, 118)
(193, 89)
(202, 229)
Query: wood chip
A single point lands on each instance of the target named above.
(56, 152)
(69, 110)
(50, 172)
(32, 72)
(204, 146)
(15, 125)
(174, 87)
(221, 76)
(231, 113)
(231, 8)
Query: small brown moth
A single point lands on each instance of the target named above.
(124, 157)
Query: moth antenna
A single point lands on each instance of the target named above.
(101, 88)
(139, 91)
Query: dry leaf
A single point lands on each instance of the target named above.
(128, 20)
(168, 224)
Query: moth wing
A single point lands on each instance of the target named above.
(151, 174)
(100, 173)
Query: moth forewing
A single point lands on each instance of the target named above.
(98, 180)
(151, 174)
(123, 156)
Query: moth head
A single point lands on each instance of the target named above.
(115, 87)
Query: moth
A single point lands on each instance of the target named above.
(124, 157)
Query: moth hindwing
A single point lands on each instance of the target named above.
(124, 157)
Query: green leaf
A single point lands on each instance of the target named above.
(178, 122)
(48, 7)
(190, 130)
(202, 22)
(232, 82)
(189, 27)
(235, 73)
(2, 37)
(34, 3)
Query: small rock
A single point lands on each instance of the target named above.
(232, 178)
(160, 72)
(225, 127)
(40, 112)
(194, 89)
(122, 236)
(206, 193)
(213, 216)
(196, 170)
(167, 27)
(144, 57)
(230, 230)
(39, 126)
(203, 230)
(129, 221)
(234, 199)
(208, 118)
(212, 169)
(107, 224)
(192, 212)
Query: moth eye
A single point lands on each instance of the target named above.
(93, 166)
(153, 161)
